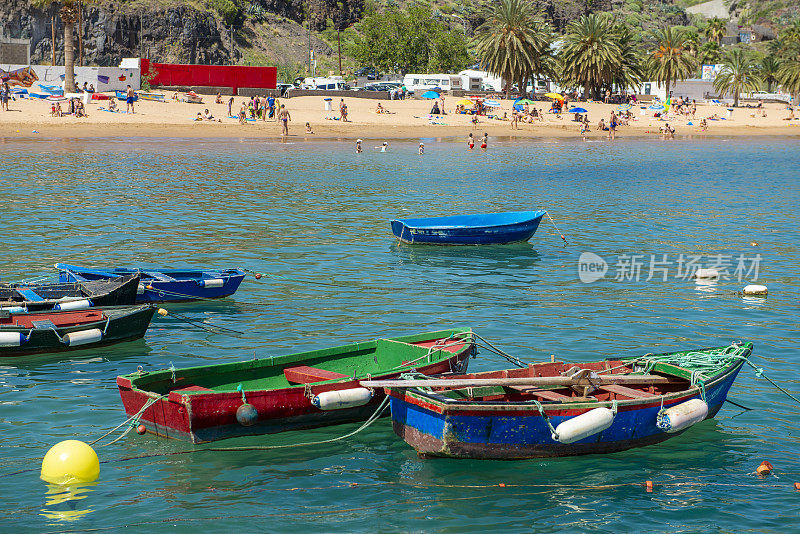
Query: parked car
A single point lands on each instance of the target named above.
(369, 72)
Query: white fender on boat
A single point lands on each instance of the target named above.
(682, 416)
(14, 309)
(73, 305)
(82, 337)
(344, 398)
(140, 289)
(212, 282)
(12, 339)
(755, 289)
(585, 425)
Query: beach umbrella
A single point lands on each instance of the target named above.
(624, 107)
(465, 102)
(430, 95)
(525, 101)
(554, 95)
(578, 110)
(491, 104)
(657, 107)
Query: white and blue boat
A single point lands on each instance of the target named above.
(165, 285)
(482, 229)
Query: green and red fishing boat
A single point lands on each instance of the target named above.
(303, 390)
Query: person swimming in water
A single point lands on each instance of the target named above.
(484, 140)
(359, 150)
(383, 147)
(422, 148)
(470, 141)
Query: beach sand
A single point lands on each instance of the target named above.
(408, 120)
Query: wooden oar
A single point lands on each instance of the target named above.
(541, 381)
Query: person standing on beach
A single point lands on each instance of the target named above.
(612, 126)
(5, 94)
(271, 104)
(284, 117)
(514, 120)
(129, 100)
(230, 107)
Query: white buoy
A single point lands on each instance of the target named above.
(585, 425)
(73, 305)
(12, 339)
(140, 289)
(212, 282)
(682, 416)
(345, 398)
(83, 337)
(706, 274)
(755, 289)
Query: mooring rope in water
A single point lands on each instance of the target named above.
(130, 421)
(372, 418)
(556, 227)
(410, 503)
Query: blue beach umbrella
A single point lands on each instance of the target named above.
(624, 107)
(491, 103)
(578, 110)
(430, 95)
(657, 107)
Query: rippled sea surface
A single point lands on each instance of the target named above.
(314, 217)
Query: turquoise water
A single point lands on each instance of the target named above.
(318, 213)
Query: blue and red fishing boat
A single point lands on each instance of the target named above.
(164, 285)
(560, 409)
(482, 229)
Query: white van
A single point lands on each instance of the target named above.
(331, 83)
(425, 82)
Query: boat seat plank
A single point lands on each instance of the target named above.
(543, 393)
(160, 276)
(626, 391)
(30, 294)
(304, 374)
(43, 324)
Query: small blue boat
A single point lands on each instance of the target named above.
(168, 285)
(560, 409)
(484, 229)
(123, 95)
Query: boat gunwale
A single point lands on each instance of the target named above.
(134, 380)
(439, 404)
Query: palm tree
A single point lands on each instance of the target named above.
(631, 69)
(591, 55)
(769, 67)
(739, 73)
(514, 42)
(715, 30)
(692, 42)
(789, 73)
(709, 53)
(671, 61)
(68, 14)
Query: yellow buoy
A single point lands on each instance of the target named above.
(162, 312)
(69, 462)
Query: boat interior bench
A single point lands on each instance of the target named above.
(545, 394)
(617, 390)
(160, 276)
(303, 374)
(30, 294)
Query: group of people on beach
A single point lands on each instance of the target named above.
(258, 107)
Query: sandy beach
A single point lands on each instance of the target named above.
(408, 119)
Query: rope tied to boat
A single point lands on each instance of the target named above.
(132, 421)
(556, 227)
(553, 433)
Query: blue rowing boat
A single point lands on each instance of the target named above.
(559, 409)
(123, 95)
(167, 285)
(483, 229)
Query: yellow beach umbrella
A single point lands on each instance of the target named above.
(554, 95)
(465, 102)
